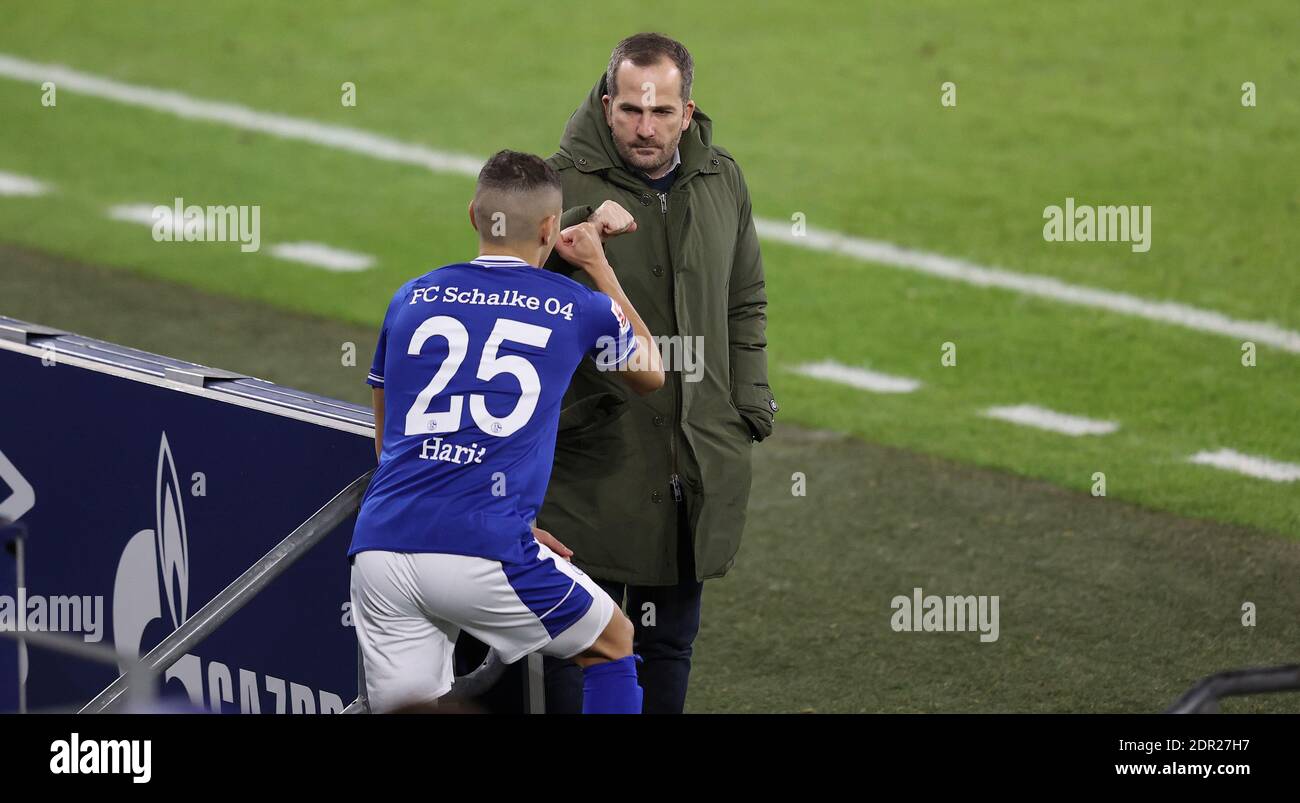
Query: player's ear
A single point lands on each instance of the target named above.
(549, 230)
(472, 221)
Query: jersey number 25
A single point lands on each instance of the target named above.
(420, 420)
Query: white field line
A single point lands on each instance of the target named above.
(860, 378)
(181, 105)
(14, 184)
(1201, 320)
(1251, 465)
(1041, 418)
(322, 256)
(381, 147)
(143, 214)
(318, 255)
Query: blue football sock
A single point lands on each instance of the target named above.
(611, 688)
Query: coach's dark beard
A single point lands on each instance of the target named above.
(630, 157)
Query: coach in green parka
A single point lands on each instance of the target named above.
(650, 492)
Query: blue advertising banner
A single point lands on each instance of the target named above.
(145, 488)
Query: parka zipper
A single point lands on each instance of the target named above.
(675, 481)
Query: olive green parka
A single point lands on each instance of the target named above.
(693, 271)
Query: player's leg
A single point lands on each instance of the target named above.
(609, 682)
(544, 603)
(563, 676)
(609, 668)
(614, 643)
(407, 654)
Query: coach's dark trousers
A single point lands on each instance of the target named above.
(666, 620)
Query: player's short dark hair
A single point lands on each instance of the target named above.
(513, 171)
(515, 192)
(645, 49)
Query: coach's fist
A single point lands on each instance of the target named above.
(580, 246)
(611, 220)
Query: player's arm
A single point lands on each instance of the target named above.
(610, 219)
(376, 376)
(581, 245)
(556, 263)
(377, 399)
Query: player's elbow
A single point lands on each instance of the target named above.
(645, 382)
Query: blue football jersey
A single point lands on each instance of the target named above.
(474, 359)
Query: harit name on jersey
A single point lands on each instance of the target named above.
(435, 449)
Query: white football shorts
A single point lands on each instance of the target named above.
(409, 607)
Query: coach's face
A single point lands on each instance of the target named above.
(647, 116)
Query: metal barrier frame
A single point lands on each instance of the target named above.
(29, 338)
(236, 595)
(135, 689)
(1203, 698)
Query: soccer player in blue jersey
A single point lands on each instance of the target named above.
(472, 362)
